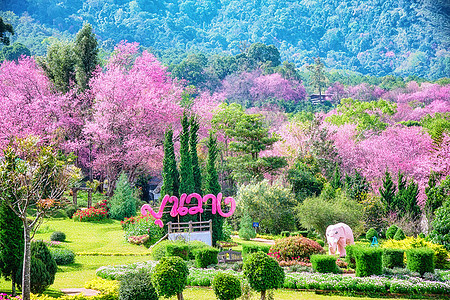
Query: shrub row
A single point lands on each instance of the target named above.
(176, 248)
(250, 248)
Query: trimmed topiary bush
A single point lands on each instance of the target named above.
(420, 260)
(206, 256)
(323, 263)
(296, 247)
(399, 235)
(263, 272)
(179, 249)
(249, 248)
(169, 277)
(369, 262)
(351, 252)
(137, 286)
(371, 233)
(194, 246)
(62, 256)
(285, 234)
(58, 236)
(393, 258)
(390, 232)
(320, 242)
(226, 286)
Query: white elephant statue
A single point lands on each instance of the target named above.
(338, 236)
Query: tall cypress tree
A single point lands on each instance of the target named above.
(193, 140)
(336, 182)
(186, 178)
(11, 244)
(399, 199)
(86, 50)
(387, 192)
(212, 186)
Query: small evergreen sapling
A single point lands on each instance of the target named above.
(399, 235)
(246, 231)
(390, 232)
(123, 203)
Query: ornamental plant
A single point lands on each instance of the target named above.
(226, 286)
(371, 233)
(390, 232)
(368, 262)
(137, 286)
(323, 263)
(206, 256)
(90, 214)
(393, 258)
(420, 260)
(141, 226)
(169, 277)
(263, 273)
(295, 248)
(399, 235)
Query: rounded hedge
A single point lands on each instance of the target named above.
(137, 286)
(294, 247)
(399, 235)
(206, 256)
(390, 232)
(393, 258)
(70, 211)
(226, 286)
(371, 233)
(420, 260)
(263, 272)
(62, 256)
(169, 276)
(369, 262)
(58, 236)
(323, 263)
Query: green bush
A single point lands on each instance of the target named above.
(62, 256)
(206, 256)
(320, 242)
(351, 252)
(263, 272)
(441, 225)
(421, 235)
(137, 286)
(323, 263)
(160, 250)
(169, 276)
(70, 210)
(226, 286)
(371, 233)
(390, 232)
(246, 230)
(297, 247)
(399, 235)
(393, 258)
(58, 236)
(194, 246)
(285, 233)
(123, 203)
(180, 249)
(249, 248)
(420, 260)
(138, 226)
(369, 262)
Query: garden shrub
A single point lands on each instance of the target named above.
(351, 252)
(58, 236)
(285, 234)
(160, 250)
(70, 210)
(251, 248)
(441, 225)
(295, 247)
(421, 235)
(369, 261)
(399, 235)
(206, 256)
(440, 254)
(320, 242)
(393, 258)
(323, 263)
(169, 276)
(137, 286)
(246, 230)
(390, 232)
(140, 226)
(226, 286)
(371, 233)
(420, 260)
(123, 203)
(180, 249)
(89, 214)
(62, 256)
(194, 246)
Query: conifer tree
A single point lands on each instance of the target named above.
(123, 202)
(171, 177)
(86, 49)
(186, 178)
(212, 186)
(11, 244)
(399, 204)
(387, 192)
(337, 180)
(193, 140)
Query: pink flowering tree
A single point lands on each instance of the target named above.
(135, 102)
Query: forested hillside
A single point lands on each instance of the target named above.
(375, 37)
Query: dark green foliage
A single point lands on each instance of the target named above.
(169, 276)
(336, 182)
(186, 178)
(137, 286)
(420, 260)
(206, 256)
(317, 78)
(193, 140)
(369, 262)
(191, 69)
(371, 233)
(351, 253)
(226, 286)
(391, 231)
(357, 186)
(285, 233)
(62, 256)
(123, 203)
(14, 52)
(320, 242)
(387, 191)
(249, 248)
(399, 235)
(86, 49)
(58, 236)
(70, 210)
(263, 272)
(405, 202)
(393, 258)
(194, 246)
(11, 243)
(246, 230)
(160, 250)
(441, 226)
(4, 29)
(323, 263)
(179, 249)
(265, 55)
(304, 183)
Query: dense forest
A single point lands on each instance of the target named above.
(372, 37)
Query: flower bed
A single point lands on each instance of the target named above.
(90, 214)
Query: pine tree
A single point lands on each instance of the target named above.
(387, 192)
(193, 140)
(411, 207)
(123, 202)
(170, 175)
(246, 230)
(86, 50)
(186, 178)
(212, 186)
(399, 199)
(11, 244)
(336, 182)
